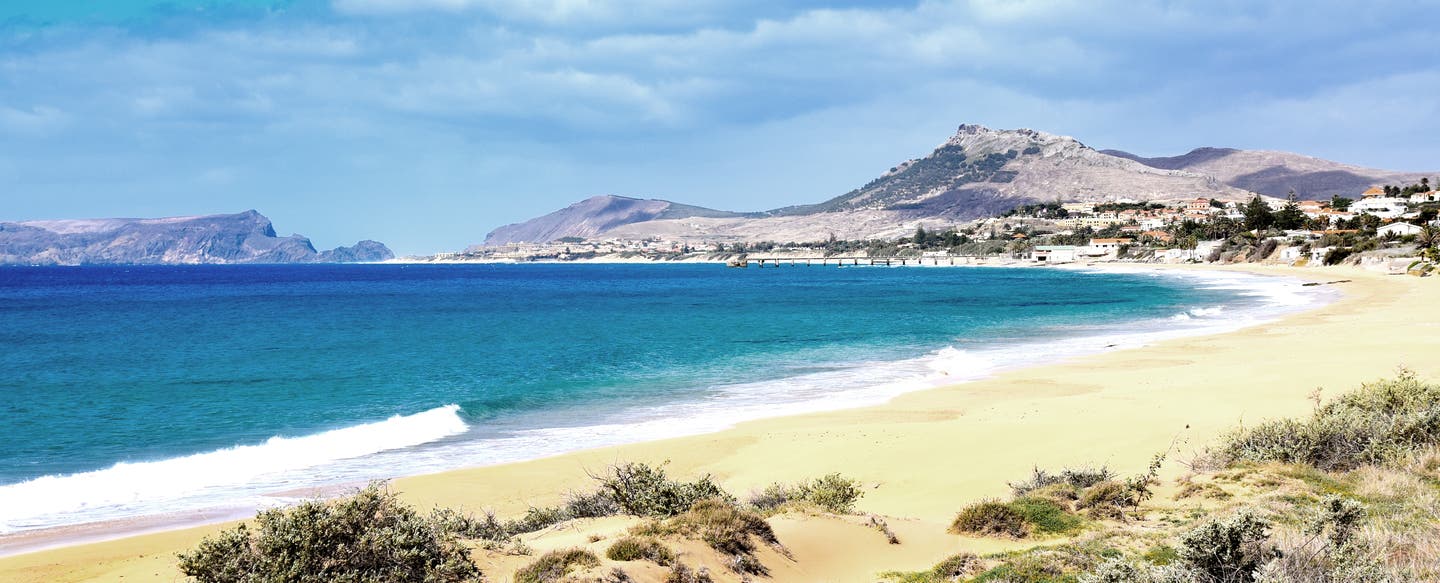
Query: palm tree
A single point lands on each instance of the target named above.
(1428, 237)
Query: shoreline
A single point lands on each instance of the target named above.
(942, 367)
(730, 455)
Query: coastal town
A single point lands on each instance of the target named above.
(1385, 227)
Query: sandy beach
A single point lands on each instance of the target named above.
(926, 454)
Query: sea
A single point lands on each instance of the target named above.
(128, 392)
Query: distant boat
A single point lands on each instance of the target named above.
(738, 262)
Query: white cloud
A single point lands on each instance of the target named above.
(746, 102)
(36, 120)
(552, 12)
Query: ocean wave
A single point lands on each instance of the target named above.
(242, 475)
(1198, 313)
(41, 500)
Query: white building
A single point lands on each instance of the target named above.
(1055, 253)
(1398, 230)
(1102, 247)
(1385, 208)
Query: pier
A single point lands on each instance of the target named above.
(851, 260)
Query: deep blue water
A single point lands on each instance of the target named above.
(100, 365)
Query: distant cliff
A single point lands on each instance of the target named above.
(1278, 173)
(596, 215)
(246, 237)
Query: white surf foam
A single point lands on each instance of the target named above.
(52, 500)
(240, 477)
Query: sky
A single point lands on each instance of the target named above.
(427, 123)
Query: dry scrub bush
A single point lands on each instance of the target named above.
(370, 536)
(555, 565)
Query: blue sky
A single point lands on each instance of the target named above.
(426, 123)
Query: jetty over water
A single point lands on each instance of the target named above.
(786, 261)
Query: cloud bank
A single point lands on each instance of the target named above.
(427, 122)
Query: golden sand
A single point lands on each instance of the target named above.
(926, 454)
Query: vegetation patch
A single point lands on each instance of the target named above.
(680, 573)
(370, 536)
(644, 490)
(833, 493)
(723, 526)
(1299, 505)
(1381, 423)
(1068, 479)
(990, 518)
(639, 548)
(954, 568)
(1046, 516)
(555, 565)
(1206, 490)
(1107, 500)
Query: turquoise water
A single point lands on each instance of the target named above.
(130, 391)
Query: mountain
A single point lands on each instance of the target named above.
(596, 215)
(246, 237)
(1277, 173)
(979, 172)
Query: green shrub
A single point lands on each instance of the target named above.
(1046, 516)
(1107, 500)
(957, 567)
(643, 490)
(724, 527)
(832, 492)
(1264, 250)
(592, 505)
(1332, 551)
(1161, 555)
(772, 497)
(990, 518)
(1379, 423)
(1338, 518)
(636, 548)
(1228, 549)
(370, 536)
(555, 565)
(1063, 495)
(954, 568)
(577, 505)
(1121, 570)
(468, 526)
(1024, 570)
(1075, 478)
(537, 519)
(1337, 255)
(1117, 570)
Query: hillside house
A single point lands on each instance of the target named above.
(1385, 208)
(1398, 230)
(1161, 236)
